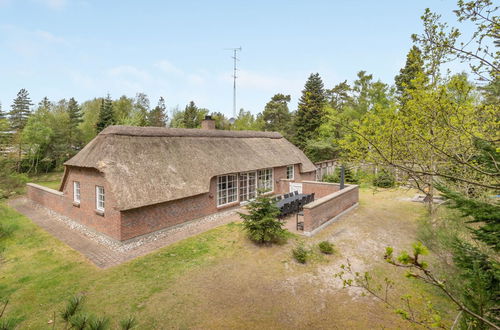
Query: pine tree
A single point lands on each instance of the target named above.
(413, 68)
(20, 110)
(310, 111)
(191, 116)
(75, 118)
(276, 114)
(2, 114)
(158, 116)
(106, 117)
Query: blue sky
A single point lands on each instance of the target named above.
(176, 49)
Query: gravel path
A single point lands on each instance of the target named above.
(105, 252)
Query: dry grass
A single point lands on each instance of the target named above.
(219, 279)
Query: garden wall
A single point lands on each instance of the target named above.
(326, 209)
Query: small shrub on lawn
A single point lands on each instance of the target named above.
(326, 247)
(301, 254)
(384, 179)
(262, 223)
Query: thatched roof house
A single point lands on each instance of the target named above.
(151, 165)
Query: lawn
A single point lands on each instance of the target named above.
(218, 279)
(50, 180)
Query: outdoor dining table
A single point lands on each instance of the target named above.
(280, 204)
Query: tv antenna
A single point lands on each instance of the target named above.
(235, 58)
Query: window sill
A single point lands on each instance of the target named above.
(223, 206)
(76, 204)
(99, 212)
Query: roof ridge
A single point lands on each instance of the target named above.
(184, 132)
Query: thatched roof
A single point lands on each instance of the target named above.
(150, 165)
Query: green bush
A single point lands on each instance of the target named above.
(301, 254)
(349, 175)
(326, 247)
(384, 179)
(262, 223)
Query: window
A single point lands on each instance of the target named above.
(99, 197)
(227, 189)
(265, 181)
(248, 186)
(289, 172)
(76, 191)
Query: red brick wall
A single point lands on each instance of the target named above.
(320, 189)
(108, 224)
(328, 207)
(151, 218)
(282, 187)
(45, 196)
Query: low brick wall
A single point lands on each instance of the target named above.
(47, 197)
(328, 207)
(320, 189)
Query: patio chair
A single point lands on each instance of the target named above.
(295, 206)
(296, 192)
(312, 197)
(279, 197)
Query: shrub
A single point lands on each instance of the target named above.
(301, 254)
(326, 247)
(384, 179)
(262, 223)
(349, 176)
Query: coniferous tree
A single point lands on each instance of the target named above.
(413, 68)
(191, 116)
(158, 116)
(20, 110)
(310, 111)
(106, 117)
(276, 115)
(75, 118)
(2, 114)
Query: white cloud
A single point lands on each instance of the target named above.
(168, 67)
(47, 36)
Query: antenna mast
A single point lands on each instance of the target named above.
(235, 58)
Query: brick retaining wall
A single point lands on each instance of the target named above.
(328, 207)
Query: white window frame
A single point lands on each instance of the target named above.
(293, 172)
(223, 194)
(100, 198)
(268, 184)
(76, 192)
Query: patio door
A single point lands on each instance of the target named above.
(294, 186)
(248, 186)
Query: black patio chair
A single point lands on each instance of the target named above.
(312, 197)
(296, 192)
(295, 206)
(279, 197)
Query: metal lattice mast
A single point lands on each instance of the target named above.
(235, 58)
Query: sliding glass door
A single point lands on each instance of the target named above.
(248, 186)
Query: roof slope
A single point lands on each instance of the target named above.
(149, 165)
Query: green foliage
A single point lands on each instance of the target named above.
(11, 182)
(106, 115)
(486, 214)
(158, 116)
(326, 247)
(244, 121)
(301, 254)
(98, 323)
(191, 118)
(129, 323)
(20, 110)
(413, 68)
(310, 111)
(261, 223)
(276, 115)
(349, 176)
(384, 179)
(73, 306)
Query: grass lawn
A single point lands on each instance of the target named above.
(218, 279)
(50, 180)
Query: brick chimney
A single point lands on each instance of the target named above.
(208, 123)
